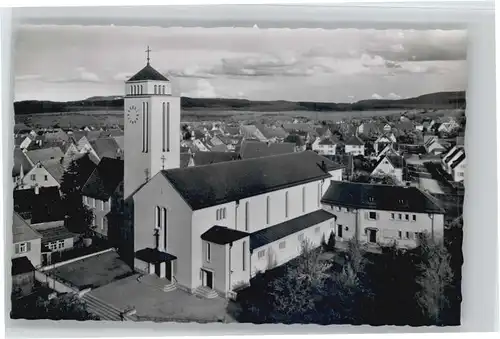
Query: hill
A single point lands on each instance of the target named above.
(439, 100)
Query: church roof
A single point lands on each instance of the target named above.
(210, 185)
(148, 73)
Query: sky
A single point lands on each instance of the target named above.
(72, 62)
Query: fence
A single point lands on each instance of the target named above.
(52, 266)
(54, 284)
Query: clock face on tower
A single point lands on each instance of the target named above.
(132, 114)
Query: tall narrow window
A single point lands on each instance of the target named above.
(157, 216)
(143, 126)
(163, 89)
(147, 127)
(303, 199)
(163, 125)
(141, 89)
(247, 216)
(208, 252)
(268, 210)
(244, 261)
(165, 222)
(155, 89)
(319, 194)
(168, 126)
(286, 204)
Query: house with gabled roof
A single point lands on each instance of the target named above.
(390, 165)
(103, 191)
(211, 228)
(47, 173)
(454, 163)
(51, 153)
(382, 141)
(355, 146)
(26, 256)
(325, 146)
(433, 145)
(383, 215)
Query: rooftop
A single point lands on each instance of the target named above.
(381, 197)
(55, 233)
(210, 185)
(105, 179)
(42, 154)
(274, 233)
(21, 230)
(21, 265)
(256, 149)
(222, 235)
(148, 73)
(42, 207)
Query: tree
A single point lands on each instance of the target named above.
(78, 216)
(331, 242)
(434, 280)
(294, 138)
(65, 307)
(294, 294)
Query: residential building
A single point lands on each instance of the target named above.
(383, 141)
(325, 146)
(103, 189)
(252, 132)
(255, 149)
(38, 155)
(216, 226)
(454, 163)
(44, 174)
(432, 145)
(390, 165)
(382, 215)
(27, 241)
(355, 146)
(207, 158)
(21, 166)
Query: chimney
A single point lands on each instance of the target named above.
(37, 190)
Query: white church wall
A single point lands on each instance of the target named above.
(272, 255)
(159, 190)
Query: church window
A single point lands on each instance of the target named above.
(303, 199)
(143, 127)
(141, 89)
(163, 124)
(158, 217)
(244, 255)
(247, 215)
(208, 252)
(286, 204)
(164, 226)
(268, 210)
(155, 89)
(147, 128)
(168, 127)
(163, 89)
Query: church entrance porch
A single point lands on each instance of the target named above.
(158, 263)
(207, 278)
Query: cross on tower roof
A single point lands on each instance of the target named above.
(147, 51)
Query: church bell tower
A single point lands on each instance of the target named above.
(152, 127)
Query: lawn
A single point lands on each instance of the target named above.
(93, 272)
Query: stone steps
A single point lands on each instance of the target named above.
(101, 309)
(206, 292)
(157, 283)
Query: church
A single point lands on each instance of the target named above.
(209, 229)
